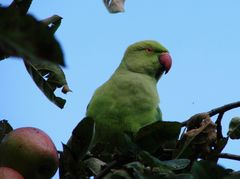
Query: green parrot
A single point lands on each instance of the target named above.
(129, 99)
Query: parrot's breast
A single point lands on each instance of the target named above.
(125, 103)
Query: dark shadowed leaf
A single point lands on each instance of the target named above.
(82, 137)
(114, 6)
(18, 38)
(173, 165)
(67, 163)
(20, 5)
(118, 174)
(152, 136)
(154, 162)
(140, 171)
(55, 78)
(53, 23)
(234, 128)
(180, 176)
(233, 175)
(5, 128)
(208, 170)
(70, 168)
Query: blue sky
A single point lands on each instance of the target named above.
(203, 39)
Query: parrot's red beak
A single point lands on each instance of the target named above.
(165, 60)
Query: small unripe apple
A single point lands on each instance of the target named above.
(9, 173)
(31, 152)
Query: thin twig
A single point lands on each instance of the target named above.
(169, 150)
(229, 156)
(219, 126)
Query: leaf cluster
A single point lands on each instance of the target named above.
(41, 53)
(158, 150)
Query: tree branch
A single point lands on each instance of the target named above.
(224, 108)
(229, 156)
(219, 110)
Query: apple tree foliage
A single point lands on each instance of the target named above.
(168, 150)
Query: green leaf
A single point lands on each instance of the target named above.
(82, 137)
(18, 38)
(95, 165)
(137, 169)
(55, 78)
(208, 170)
(155, 135)
(177, 164)
(135, 165)
(234, 128)
(114, 6)
(5, 128)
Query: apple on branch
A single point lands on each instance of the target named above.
(31, 152)
(9, 173)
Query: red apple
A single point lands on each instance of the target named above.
(31, 152)
(9, 173)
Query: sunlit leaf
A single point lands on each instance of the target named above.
(234, 128)
(24, 36)
(55, 79)
(95, 165)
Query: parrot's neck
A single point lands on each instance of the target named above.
(123, 69)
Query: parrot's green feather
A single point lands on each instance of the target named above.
(129, 99)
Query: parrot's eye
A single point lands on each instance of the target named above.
(149, 50)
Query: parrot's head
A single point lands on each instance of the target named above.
(147, 57)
